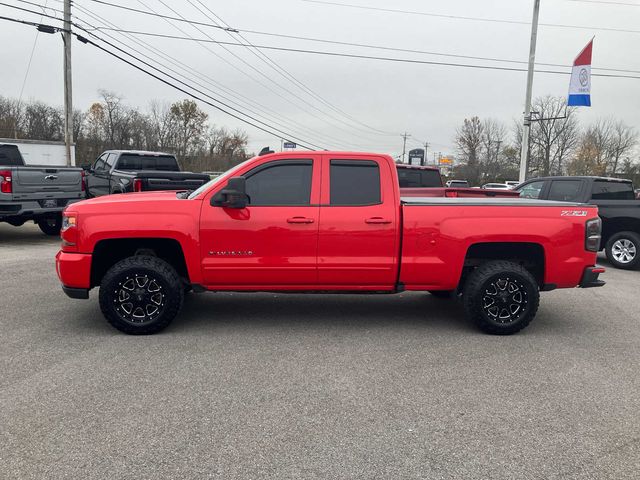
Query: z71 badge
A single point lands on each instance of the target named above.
(573, 213)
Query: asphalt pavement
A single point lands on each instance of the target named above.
(254, 386)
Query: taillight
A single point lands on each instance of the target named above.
(137, 184)
(5, 181)
(450, 194)
(593, 234)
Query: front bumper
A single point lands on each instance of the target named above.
(590, 277)
(74, 272)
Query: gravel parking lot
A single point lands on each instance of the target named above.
(292, 386)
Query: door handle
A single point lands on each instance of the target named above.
(300, 220)
(377, 220)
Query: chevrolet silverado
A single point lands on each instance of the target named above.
(323, 222)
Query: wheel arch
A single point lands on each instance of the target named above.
(617, 225)
(108, 252)
(530, 255)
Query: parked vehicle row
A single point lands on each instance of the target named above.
(41, 192)
(617, 207)
(293, 222)
(122, 171)
(36, 192)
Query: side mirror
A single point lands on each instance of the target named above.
(233, 195)
(86, 167)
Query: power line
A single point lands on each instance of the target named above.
(266, 77)
(249, 104)
(163, 80)
(191, 87)
(283, 72)
(33, 49)
(461, 17)
(44, 7)
(210, 39)
(368, 57)
(605, 2)
(343, 43)
(350, 55)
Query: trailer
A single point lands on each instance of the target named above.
(42, 152)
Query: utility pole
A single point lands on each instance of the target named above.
(524, 151)
(426, 145)
(68, 104)
(404, 144)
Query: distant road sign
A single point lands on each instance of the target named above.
(446, 160)
(289, 145)
(416, 156)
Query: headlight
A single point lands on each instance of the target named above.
(69, 220)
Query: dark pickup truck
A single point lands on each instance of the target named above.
(617, 207)
(36, 192)
(122, 171)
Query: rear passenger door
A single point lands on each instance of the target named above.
(358, 236)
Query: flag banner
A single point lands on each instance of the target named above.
(580, 84)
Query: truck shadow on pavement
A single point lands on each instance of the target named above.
(204, 312)
(27, 234)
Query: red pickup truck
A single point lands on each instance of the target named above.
(322, 222)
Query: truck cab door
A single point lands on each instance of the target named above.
(272, 243)
(359, 236)
(98, 178)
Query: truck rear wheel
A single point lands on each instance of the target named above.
(501, 297)
(51, 225)
(623, 250)
(141, 295)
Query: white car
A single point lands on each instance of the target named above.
(512, 183)
(496, 186)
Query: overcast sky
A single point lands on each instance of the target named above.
(380, 99)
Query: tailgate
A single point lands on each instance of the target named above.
(173, 181)
(38, 180)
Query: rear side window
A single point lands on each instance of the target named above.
(409, 178)
(10, 155)
(565, 190)
(604, 190)
(280, 183)
(354, 182)
(531, 190)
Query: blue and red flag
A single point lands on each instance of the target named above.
(580, 85)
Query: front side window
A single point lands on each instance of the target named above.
(607, 190)
(565, 190)
(354, 182)
(101, 164)
(280, 183)
(531, 190)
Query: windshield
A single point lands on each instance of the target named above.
(221, 178)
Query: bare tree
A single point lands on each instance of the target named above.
(468, 140)
(190, 124)
(554, 136)
(622, 141)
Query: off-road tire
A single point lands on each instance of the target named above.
(115, 282)
(51, 225)
(627, 238)
(479, 292)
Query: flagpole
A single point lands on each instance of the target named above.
(524, 151)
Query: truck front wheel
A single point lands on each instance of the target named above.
(141, 295)
(51, 225)
(623, 250)
(501, 297)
